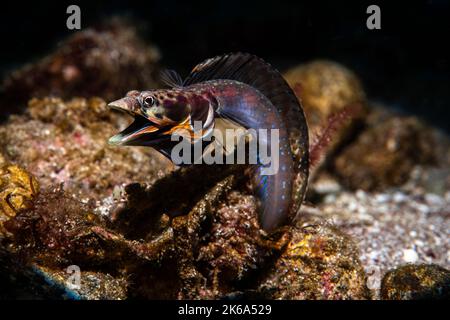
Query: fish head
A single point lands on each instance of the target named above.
(157, 113)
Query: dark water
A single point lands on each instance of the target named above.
(405, 64)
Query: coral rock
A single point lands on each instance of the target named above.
(319, 262)
(105, 61)
(385, 154)
(327, 89)
(17, 189)
(424, 281)
(66, 142)
(55, 229)
(92, 285)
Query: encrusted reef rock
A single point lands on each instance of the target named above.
(385, 154)
(208, 249)
(56, 230)
(107, 61)
(229, 252)
(53, 233)
(424, 281)
(66, 142)
(333, 99)
(217, 249)
(319, 262)
(32, 281)
(212, 250)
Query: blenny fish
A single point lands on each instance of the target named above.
(231, 90)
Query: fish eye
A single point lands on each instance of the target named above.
(149, 101)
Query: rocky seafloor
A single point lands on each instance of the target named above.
(375, 223)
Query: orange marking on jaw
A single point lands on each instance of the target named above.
(149, 129)
(187, 126)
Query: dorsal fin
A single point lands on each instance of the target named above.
(254, 71)
(171, 78)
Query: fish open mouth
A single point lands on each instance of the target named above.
(138, 132)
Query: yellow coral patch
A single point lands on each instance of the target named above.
(17, 189)
(300, 248)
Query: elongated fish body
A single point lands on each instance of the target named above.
(235, 100)
(234, 90)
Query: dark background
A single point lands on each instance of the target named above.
(405, 64)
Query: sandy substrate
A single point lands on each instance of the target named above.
(391, 228)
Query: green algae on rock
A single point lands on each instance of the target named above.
(411, 282)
